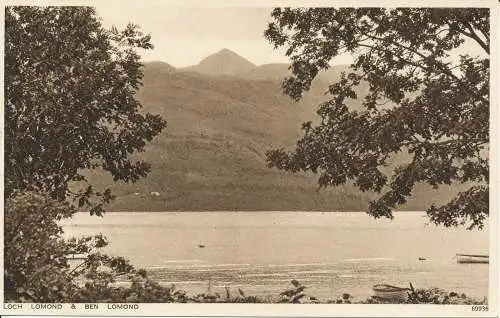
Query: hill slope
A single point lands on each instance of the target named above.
(212, 154)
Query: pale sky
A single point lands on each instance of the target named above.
(183, 36)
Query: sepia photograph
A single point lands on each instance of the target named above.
(319, 160)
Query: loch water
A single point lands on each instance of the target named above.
(261, 252)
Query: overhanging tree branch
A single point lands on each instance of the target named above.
(441, 113)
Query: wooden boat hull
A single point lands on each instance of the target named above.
(391, 293)
(472, 259)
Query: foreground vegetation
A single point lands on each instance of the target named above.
(297, 294)
(37, 272)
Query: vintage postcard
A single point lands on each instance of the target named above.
(264, 159)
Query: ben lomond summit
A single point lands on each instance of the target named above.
(223, 62)
(228, 63)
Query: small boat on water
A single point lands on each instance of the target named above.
(472, 259)
(389, 292)
(201, 246)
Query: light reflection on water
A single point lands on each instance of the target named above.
(261, 252)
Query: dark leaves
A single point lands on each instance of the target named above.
(70, 100)
(470, 208)
(416, 101)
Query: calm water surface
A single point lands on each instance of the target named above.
(260, 252)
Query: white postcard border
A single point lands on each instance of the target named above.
(301, 310)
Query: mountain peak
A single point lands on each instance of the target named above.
(227, 53)
(223, 62)
(226, 50)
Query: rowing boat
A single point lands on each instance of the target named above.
(471, 259)
(389, 292)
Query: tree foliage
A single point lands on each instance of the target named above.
(70, 105)
(70, 101)
(424, 99)
(36, 267)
